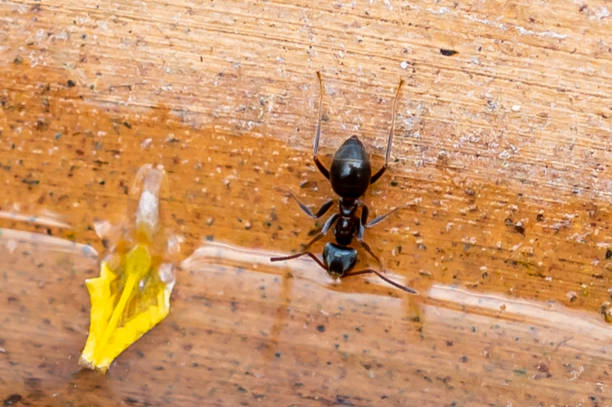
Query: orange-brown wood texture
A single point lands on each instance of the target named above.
(501, 165)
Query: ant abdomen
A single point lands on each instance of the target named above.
(350, 170)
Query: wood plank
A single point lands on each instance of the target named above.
(501, 158)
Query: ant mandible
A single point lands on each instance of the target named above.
(350, 176)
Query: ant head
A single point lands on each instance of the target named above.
(338, 259)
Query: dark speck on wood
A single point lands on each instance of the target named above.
(448, 52)
(12, 399)
(30, 181)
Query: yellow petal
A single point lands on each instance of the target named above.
(125, 304)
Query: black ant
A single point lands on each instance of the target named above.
(350, 176)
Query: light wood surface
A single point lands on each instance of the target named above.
(501, 160)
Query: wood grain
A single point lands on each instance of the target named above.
(501, 158)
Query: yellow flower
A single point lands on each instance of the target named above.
(131, 295)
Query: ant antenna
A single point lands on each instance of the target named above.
(397, 92)
(393, 283)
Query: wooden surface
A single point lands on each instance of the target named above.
(502, 159)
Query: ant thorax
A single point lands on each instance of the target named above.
(345, 230)
(347, 223)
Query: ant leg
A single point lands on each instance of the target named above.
(364, 217)
(295, 256)
(330, 221)
(393, 283)
(360, 231)
(322, 210)
(328, 224)
(367, 248)
(315, 146)
(389, 142)
(363, 224)
(377, 219)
